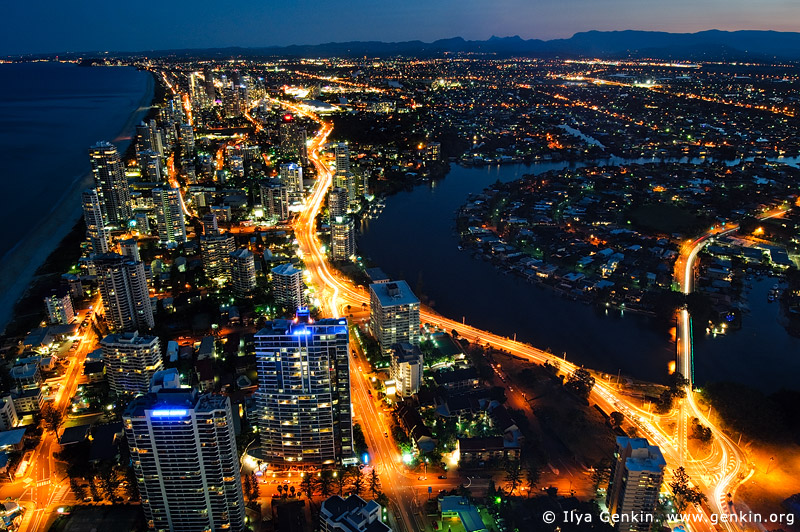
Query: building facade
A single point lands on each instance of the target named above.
(287, 285)
(343, 238)
(394, 314)
(111, 184)
(169, 215)
(303, 394)
(406, 368)
(131, 361)
(243, 272)
(59, 307)
(96, 231)
(183, 450)
(636, 477)
(123, 289)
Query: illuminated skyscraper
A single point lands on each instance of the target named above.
(243, 272)
(343, 238)
(169, 214)
(111, 184)
(292, 138)
(303, 394)
(394, 314)
(59, 306)
(215, 250)
(95, 227)
(131, 360)
(275, 199)
(342, 153)
(123, 289)
(187, 140)
(291, 175)
(150, 165)
(183, 449)
(636, 477)
(337, 203)
(287, 285)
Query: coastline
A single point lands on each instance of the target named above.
(20, 267)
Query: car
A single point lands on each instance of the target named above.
(420, 478)
(442, 477)
(385, 434)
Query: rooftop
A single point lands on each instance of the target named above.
(394, 293)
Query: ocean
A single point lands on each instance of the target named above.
(50, 113)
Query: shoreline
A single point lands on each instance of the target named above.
(21, 265)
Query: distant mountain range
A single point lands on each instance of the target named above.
(705, 45)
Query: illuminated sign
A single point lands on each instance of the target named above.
(170, 413)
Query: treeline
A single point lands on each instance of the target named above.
(769, 418)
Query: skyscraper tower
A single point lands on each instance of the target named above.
(394, 314)
(291, 175)
(337, 203)
(111, 183)
(123, 288)
(343, 238)
(150, 165)
(634, 484)
(131, 361)
(287, 285)
(342, 153)
(183, 450)
(171, 225)
(303, 394)
(95, 227)
(275, 199)
(243, 272)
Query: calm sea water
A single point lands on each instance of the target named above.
(50, 113)
(415, 239)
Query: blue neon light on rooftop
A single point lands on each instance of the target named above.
(170, 412)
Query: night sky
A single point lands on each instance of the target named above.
(84, 25)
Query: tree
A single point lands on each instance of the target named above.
(108, 479)
(616, 418)
(683, 492)
(77, 489)
(325, 484)
(513, 475)
(374, 483)
(357, 484)
(307, 486)
(340, 480)
(533, 474)
(247, 488)
(52, 417)
(256, 486)
(131, 484)
(454, 333)
(291, 491)
(93, 489)
(580, 383)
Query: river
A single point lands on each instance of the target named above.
(415, 239)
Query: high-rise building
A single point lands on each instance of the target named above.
(186, 140)
(150, 165)
(287, 286)
(59, 306)
(208, 83)
(636, 477)
(111, 183)
(303, 394)
(183, 450)
(131, 361)
(123, 289)
(337, 203)
(129, 248)
(342, 153)
(96, 231)
(215, 250)
(210, 225)
(352, 514)
(169, 215)
(291, 175)
(243, 272)
(406, 369)
(394, 314)
(275, 199)
(292, 137)
(343, 238)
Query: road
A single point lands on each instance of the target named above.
(721, 472)
(40, 489)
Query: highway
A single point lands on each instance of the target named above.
(717, 474)
(40, 488)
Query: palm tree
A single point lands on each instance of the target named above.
(532, 476)
(374, 483)
(513, 475)
(325, 484)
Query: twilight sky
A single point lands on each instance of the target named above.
(85, 25)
